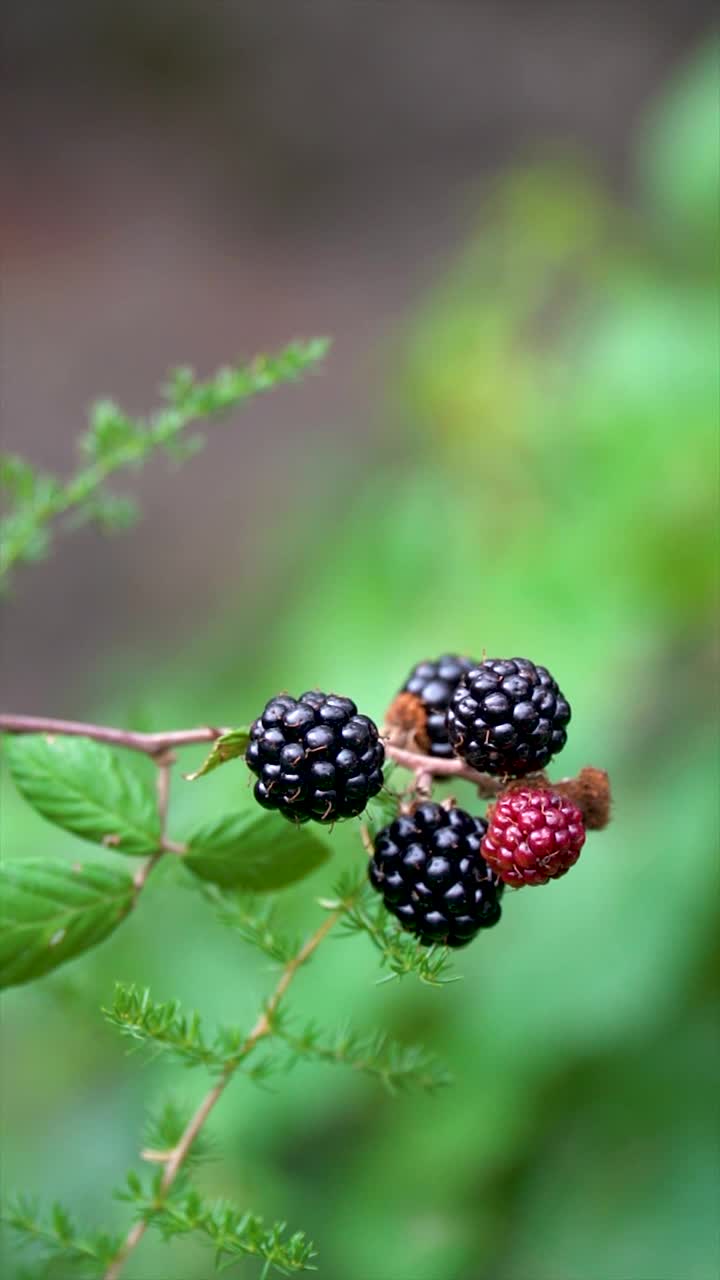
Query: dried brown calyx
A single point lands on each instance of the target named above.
(406, 724)
(590, 791)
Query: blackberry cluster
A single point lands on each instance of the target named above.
(434, 684)
(430, 872)
(507, 717)
(535, 835)
(315, 757)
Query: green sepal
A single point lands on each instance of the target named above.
(228, 747)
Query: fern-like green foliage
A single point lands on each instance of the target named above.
(399, 952)
(253, 920)
(162, 1027)
(61, 1246)
(231, 1233)
(57, 1239)
(172, 1205)
(398, 1067)
(116, 441)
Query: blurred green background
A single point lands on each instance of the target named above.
(545, 483)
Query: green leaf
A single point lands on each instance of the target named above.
(82, 786)
(254, 851)
(52, 911)
(228, 747)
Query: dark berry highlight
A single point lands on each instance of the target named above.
(429, 869)
(434, 684)
(507, 717)
(315, 757)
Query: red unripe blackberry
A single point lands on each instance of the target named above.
(431, 684)
(428, 867)
(534, 835)
(507, 717)
(315, 757)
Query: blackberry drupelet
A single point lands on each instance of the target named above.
(535, 835)
(433, 683)
(507, 717)
(315, 757)
(430, 872)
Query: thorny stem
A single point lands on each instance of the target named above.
(589, 790)
(152, 744)
(262, 1028)
(366, 840)
(164, 763)
(434, 767)
(157, 744)
(141, 876)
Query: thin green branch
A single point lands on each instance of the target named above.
(396, 1066)
(115, 442)
(163, 1130)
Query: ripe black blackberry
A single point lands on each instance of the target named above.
(422, 716)
(507, 717)
(432, 876)
(315, 757)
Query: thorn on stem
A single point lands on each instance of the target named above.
(366, 838)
